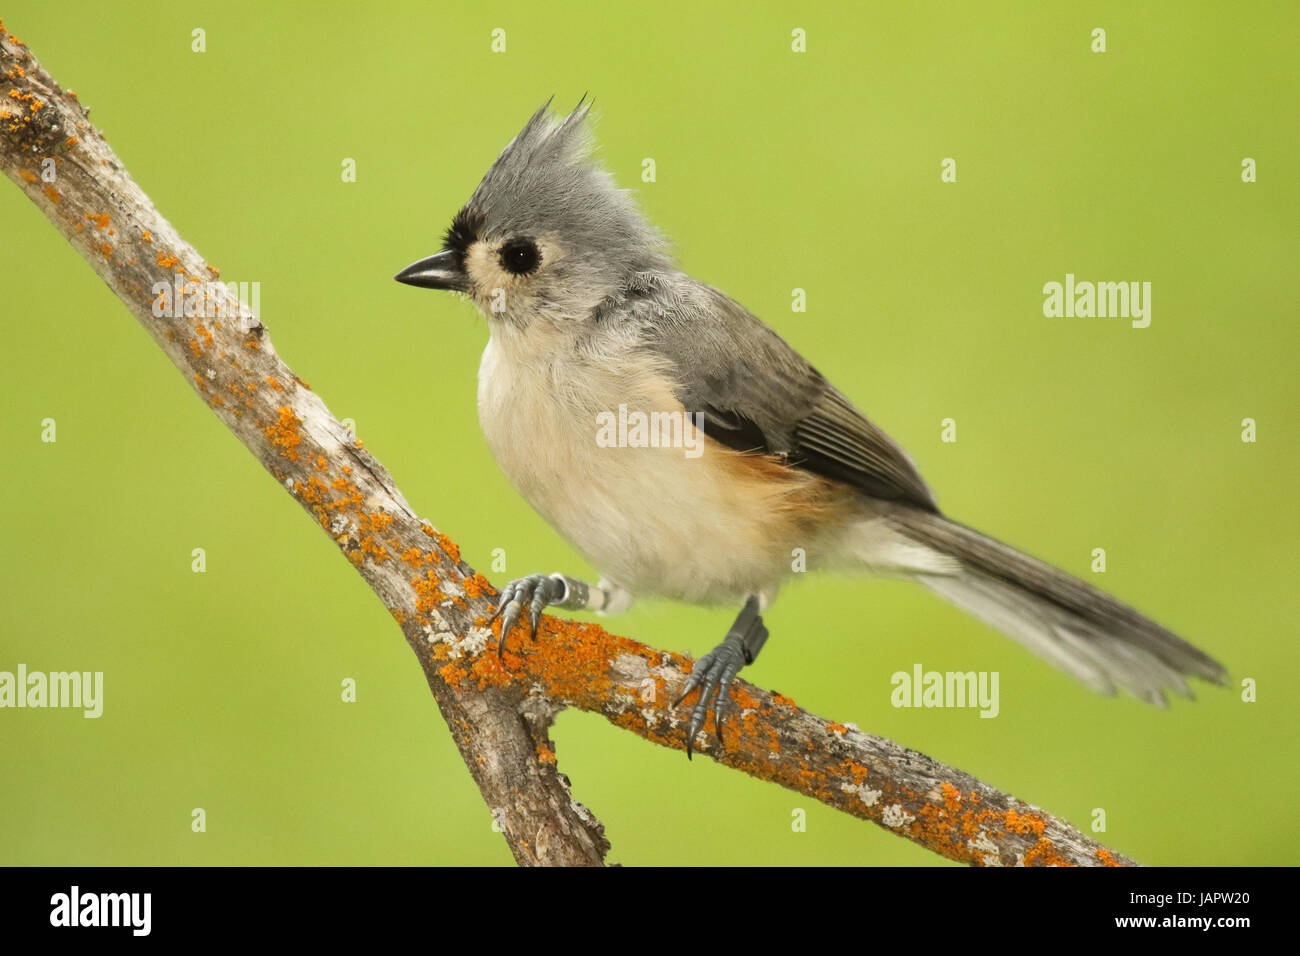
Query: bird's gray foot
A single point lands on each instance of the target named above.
(538, 591)
(714, 672)
(535, 590)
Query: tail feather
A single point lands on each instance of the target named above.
(1072, 625)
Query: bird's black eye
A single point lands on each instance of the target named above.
(520, 256)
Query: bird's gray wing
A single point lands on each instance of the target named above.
(757, 394)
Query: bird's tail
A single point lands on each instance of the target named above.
(1070, 624)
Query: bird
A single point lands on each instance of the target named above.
(594, 330)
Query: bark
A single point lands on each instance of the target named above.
(499, 711)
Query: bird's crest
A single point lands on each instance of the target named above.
(548, 181)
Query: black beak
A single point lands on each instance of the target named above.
(436, 272)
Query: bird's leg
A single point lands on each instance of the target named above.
(540, 591)
(714, 672)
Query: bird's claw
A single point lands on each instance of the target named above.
(535, 590)
(714, 672)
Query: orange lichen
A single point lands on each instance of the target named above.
(283, 433)
(100, 220)
(1106, 858)
(476, 585)
(951, 797)
(315, 493)
(369, 546)
(377, 521)
(449, 547)
(570, 659)
(72, 141)
(856, 771)
(146, 237)
(52, 194)
(353, 498)
(1043, 853)
(166, 261)
(428, 594)
(1025, 823)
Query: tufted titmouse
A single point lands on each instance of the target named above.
(606, 362)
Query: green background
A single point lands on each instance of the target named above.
(775, 170)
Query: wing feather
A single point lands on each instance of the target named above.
(757, 394)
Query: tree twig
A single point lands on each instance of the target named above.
(499, 712)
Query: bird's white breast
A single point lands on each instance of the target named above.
(652, 520)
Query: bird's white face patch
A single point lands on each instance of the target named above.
(498, 291)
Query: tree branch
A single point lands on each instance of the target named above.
(499, 711)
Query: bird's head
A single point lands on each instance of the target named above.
(547, 235)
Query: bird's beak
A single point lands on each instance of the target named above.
(436, 272)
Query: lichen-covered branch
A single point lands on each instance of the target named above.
(499, 711)
(51, 151)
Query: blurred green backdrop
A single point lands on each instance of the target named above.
(775, 170)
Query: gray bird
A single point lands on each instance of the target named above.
(750, 454)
